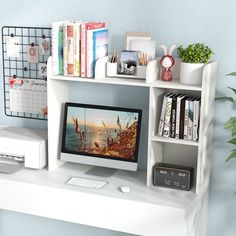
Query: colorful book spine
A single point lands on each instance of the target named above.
(70, 49)
(57, 27)
(77, 48)
(162, 116)
(196, 115)
(166, 132)
(60, 51)
(65, 50)
(83, 34)
(186, 111)
(190, 119)
(100, 46)
(90, 51)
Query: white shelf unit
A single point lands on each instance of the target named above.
(187, 211)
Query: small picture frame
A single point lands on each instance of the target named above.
(128, 62)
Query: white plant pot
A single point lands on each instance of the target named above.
(191, 73)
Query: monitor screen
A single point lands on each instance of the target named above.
(101, 132)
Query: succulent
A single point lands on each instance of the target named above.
(195, 53)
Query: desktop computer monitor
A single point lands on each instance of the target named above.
(101, 135)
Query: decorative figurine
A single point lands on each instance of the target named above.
(167, 61)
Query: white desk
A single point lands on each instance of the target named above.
(143, 211)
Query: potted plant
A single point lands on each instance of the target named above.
(193, 59)
(231, 123)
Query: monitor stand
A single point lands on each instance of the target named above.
(101, 171)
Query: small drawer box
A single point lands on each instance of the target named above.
(173, 176)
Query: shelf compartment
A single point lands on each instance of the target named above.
(156, 98)
(174, 140)
(173, 153)
(105, 80)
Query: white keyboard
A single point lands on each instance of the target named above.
(87, 183)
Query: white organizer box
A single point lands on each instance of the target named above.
(146, 210)
(105, 69)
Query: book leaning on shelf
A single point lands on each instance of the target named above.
(87, 30)
(179, 117)
(57, 48)
(73, 47)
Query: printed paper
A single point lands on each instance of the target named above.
(12, 46)
(28, 95)
(33, 55)
(44, 46)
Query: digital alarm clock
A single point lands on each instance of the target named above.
(173, 176)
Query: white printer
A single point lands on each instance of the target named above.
(27, 146)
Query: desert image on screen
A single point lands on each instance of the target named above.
(102, 132)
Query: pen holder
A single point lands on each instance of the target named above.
(141, 72)
(111, 69)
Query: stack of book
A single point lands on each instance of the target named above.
(179, 117)
(76, 46)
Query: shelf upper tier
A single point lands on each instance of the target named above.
(175, 84)
(106, 80)
(102, 79)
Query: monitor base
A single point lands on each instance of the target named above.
(101, 171)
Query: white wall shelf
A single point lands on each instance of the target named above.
(160, 149)
(146, 210)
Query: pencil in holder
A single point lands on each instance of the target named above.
(111, 69)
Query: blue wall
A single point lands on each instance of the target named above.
(168, 21)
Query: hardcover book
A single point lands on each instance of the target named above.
(186, 112)
(100, 46)
(177, 123)
(190, 119)
(162, 116)
(83, 34)
(166, 132)
(173, 116)
(196, 115)
(90, 51)
(70, 48)
(181, 121)
(77, 48)
(60, 52)
(57, 51)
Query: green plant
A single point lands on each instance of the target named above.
(231, 123)
(195, 53)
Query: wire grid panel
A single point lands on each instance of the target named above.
(20, 67)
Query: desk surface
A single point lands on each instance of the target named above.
(43, 193)
(135, 180)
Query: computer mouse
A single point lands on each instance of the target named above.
(124, 189)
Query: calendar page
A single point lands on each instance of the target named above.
(28, 95)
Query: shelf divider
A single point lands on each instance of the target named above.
(174, 140)
(105, 80)
(175, 84)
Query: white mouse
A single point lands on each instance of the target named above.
(124, 189)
